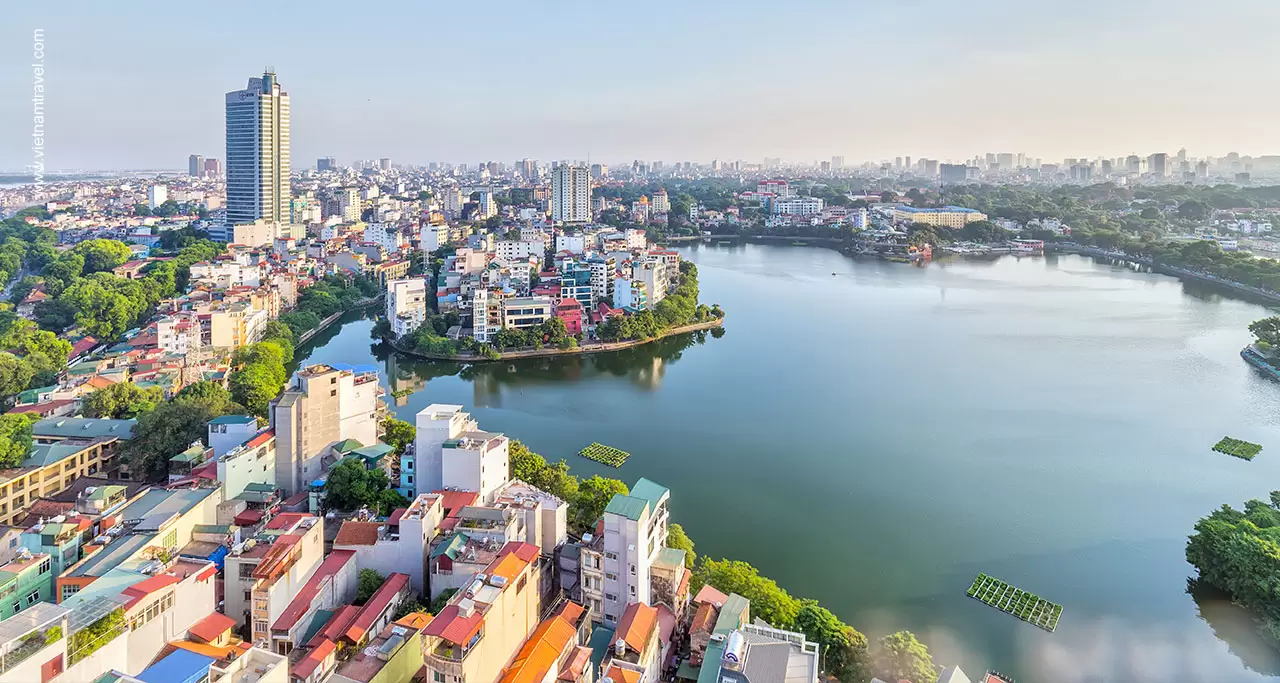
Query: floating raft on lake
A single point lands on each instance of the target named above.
(605, 455)
(1240, 449)
(1028, 607)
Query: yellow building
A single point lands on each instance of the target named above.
(945, 217)
(62, 449)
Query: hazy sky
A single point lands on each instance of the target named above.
(138, 83)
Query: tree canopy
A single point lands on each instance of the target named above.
(172, 427)
(122, 400)
(350, 486)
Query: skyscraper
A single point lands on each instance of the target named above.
(326, 164)
(258, 152)
(195, 165)
(1157, 164)
(570, 193)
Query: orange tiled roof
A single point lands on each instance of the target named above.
(541, 650)
(357, 533)
(637, 624)
(618, 674)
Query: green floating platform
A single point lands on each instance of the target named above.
(605, 455)
(1028, 607)
(1235, 447)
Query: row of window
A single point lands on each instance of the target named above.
(155, 609)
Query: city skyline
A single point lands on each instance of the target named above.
(922, 79)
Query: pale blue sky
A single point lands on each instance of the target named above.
(140, 83)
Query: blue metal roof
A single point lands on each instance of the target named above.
(181, 666)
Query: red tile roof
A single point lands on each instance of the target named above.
(260, 439)
(212, 627)
(308, 664)
(396, 583)
(711, 595)
(303, 598)
(450, 625)
(286, 520)
(357, 533)
(453, 501)
(337, 624)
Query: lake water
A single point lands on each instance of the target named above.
(874, 435)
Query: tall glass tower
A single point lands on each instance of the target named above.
(258, 152)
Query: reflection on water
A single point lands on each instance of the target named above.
(644, 366)
(1236, 627)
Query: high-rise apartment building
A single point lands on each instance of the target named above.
(326, 164)
(1157, 164)
(195, 165)
(258, 152)
(952, 174)
(570, 193)
(325, 405)
(635, 531)
(837, 163)
(157, 195)
(212, 168)
(384, 164)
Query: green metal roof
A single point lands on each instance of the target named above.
(627, 506)
(710, 671)
(451, 547)
(377, 450)
(107, 492)
(669, 558)
(195, 454)
(347, 446)
(650, 491)
(83, 427)
(732, 615)
(43, 455)
(600, 642)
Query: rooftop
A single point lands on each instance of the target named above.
(83, 427)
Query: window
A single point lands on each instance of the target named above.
(248, 595)
(610, 597)
(333, 392)
(437, 677)
(46, 565)
(610, 556)
(17, 607)
(408, 464)
(33, 597)
(611, 576)
(410, 478)
(633, 592)
(633, 570)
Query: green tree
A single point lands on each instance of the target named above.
(15, 438)
(367, 583)
(844, 650)
(900, 657)
(1194, 209)
(768, 601)
(102, 254)
(1267, 330)
(678, 539)
(398, 434)
(122, 400)
(253, 386)
(173, 426)
(300, 322)
(594, 495)
(351, 486)
(15, 374)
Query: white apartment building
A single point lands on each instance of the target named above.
(451, 201)
(387, 236)
(603, 270)
(226, 274)
(157, 195)
(250, 462)
(258, 152)
(516, 250)
(526, 311)
(488, 205)
(262, 233)
(179, 334)
(570, 193)
(324, 405)
(653, 273)
(433, 236)
(574, 244)
(630, 293)
(635, 529)
(228, 431)
(450, 451)
(406, 304)
(796, 206)
(481, 317)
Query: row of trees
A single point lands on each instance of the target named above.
(681, 307)
(31, 357)
(260, 369)
(324, 298)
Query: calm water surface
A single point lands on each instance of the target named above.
(873, 435)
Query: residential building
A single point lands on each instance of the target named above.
(755, 653)
(403, 541)
(526, 311)
(953, 174)
(333, 584)
(228, 431)
(255, 665)
(393, 653)
(450, 451)
(637, 648)
(262, 577)
(946, 217)
(630, 293)
(603, 271)
(349, 204)
(484, 626)
(262, 232)
(406, 305)
(796, 206)
(635, 529)
(157, 195)
(570, 311)
(63, 449)
(556, 650)
(179, 334)
(326, 164)
(570, 193)
(251, 462)
(24, 581)
(258, 152)
(324, 405)
(660, 203)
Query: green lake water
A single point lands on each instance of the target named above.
(874, 435)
